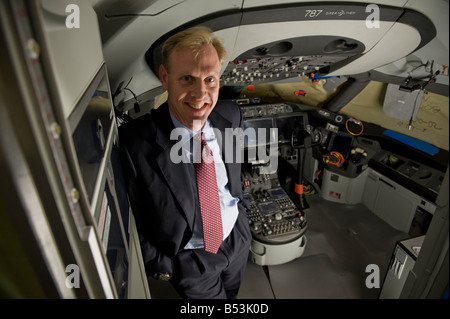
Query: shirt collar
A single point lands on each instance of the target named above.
(207, 128)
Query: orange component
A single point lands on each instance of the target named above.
(299, 189)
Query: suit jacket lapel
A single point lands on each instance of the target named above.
(176, 174)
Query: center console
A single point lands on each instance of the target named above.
(277, 224)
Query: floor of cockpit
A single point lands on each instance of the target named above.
(342, 240)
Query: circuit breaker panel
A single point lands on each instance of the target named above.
(95, 138)
(84, 231)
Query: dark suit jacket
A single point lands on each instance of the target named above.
(160, 191)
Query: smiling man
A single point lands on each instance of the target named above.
(190, 215)
(190, 73)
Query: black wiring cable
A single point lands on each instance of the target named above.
(134, 95)
(431, 79)
(121, 116)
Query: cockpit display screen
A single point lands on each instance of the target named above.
(258, 132)
(288, 125)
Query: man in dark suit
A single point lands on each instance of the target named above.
(159, 160)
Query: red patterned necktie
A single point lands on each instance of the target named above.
(208, 195)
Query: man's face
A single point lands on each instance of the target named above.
(192, 84)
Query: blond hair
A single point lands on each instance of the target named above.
(194, 38)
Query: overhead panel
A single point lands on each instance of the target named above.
(286, 41)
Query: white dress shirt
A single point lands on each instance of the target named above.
(228, 203)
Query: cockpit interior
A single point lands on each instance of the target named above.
(350, 104)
